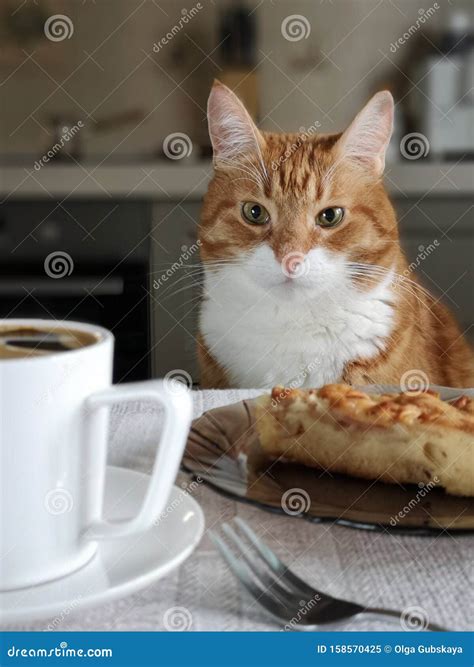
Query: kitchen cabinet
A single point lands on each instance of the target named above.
(437, 235)
(175, 291)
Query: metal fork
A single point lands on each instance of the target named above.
(276, 588)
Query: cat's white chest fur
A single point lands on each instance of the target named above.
(264, 331)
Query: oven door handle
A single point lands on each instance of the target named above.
(64, 287)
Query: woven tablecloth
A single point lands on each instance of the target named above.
(372, 568)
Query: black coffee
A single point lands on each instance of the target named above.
(17, 342)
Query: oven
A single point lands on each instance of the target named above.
(86, 261)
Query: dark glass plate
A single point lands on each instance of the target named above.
(224, 451)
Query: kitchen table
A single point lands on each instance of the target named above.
(434, 573)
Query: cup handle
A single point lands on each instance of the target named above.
(177, 403)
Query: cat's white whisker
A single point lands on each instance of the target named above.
(368, 271)
(182, 289)
(397, 277)
(195, 300)
(246, 167)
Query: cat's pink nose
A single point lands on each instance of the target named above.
(293, 264)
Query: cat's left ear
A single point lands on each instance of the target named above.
(366, 139)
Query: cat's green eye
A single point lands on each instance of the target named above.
(255, 213)
(330, 217)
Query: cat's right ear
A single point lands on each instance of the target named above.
(233, 132)
(366, 140)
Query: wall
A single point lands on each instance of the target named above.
(108, 65)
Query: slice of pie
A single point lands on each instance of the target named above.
(397, 438)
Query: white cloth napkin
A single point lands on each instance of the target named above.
(376, 569)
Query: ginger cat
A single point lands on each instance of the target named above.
(305, 282)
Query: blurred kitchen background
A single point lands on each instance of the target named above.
(104, 152)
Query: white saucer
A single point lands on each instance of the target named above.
(120, 567)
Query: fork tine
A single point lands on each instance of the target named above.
(242, 573)
(286, 596)
(277, 565)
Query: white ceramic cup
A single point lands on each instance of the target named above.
(53, 452)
